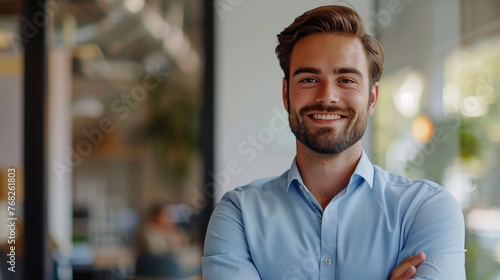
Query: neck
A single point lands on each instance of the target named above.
(327, 175)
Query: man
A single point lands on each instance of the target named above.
(333, 215)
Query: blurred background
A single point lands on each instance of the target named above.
(155, 108)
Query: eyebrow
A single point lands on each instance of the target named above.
(341, 70)
(347, 70)
(306, 70)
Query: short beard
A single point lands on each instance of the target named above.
(325, 141)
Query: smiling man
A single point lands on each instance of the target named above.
(333, 214)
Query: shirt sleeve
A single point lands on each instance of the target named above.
(438, 230)
(226, 252)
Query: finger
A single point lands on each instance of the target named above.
(401, 270)
(409, 273)
(407, 268)
(408, 259)
(418, 259)
(404, 271)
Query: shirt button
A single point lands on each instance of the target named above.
(320, 219)
(301, 188)
(328, 261)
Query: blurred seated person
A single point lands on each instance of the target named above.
(160, 242)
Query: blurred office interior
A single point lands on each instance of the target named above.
(175, 102)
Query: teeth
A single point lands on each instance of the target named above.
(326, 116)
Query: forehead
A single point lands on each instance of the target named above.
(329, 50)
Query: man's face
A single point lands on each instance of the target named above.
(328, 98)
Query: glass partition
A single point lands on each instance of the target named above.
(125, 101)
(438, 112)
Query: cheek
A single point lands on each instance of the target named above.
(298, 98)
(356, 100)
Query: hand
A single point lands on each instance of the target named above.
(407, 268)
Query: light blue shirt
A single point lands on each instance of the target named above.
(275, 229)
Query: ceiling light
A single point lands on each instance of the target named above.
(134, 6)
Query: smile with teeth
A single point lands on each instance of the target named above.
(326, 116)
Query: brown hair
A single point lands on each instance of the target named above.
(330, 19)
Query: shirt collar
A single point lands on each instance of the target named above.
(294, 175)
(363, 170)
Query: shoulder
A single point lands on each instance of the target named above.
(399, 181)
(413, 193)
(393, 182)
(431, 219)
(258, 190)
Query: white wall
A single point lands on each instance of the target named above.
(59, 175)
(252, 136)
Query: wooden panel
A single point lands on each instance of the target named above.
(19, 184)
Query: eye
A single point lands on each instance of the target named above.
(346, 81)
(307, 80)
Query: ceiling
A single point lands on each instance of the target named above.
(120, 29)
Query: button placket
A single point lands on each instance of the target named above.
(328, 241)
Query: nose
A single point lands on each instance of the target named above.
(327, 93)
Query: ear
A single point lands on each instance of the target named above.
(285, 94)
(373, 100)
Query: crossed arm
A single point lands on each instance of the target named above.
(434, 229)
(408, 268)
